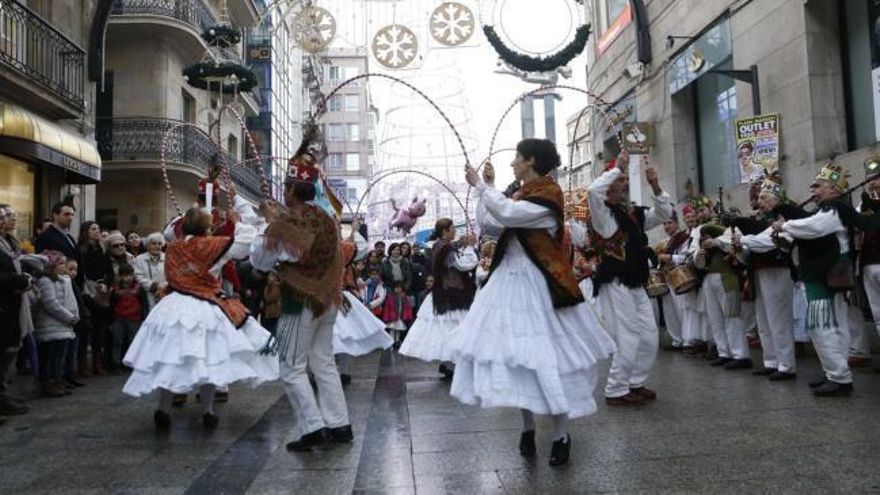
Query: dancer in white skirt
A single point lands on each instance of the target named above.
(529, 340)
(194, 338)
(357, 331)
(452, 265)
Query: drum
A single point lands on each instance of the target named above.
(683, 279)
(656, 285)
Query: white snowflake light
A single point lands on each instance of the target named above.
(452, 24)
(395, 46)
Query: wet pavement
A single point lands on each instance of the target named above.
(710, 431)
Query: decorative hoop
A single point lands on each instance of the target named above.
(163, 165)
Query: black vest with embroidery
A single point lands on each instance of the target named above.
(623, 257)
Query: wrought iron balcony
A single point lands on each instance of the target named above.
(34, 49)
(196, 13)
(140, 139)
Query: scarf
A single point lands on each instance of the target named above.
(10, 246)
(396, 271)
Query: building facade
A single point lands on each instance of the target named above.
(578, 161)
(349, 124)
(47, 105)
(146, 108)
(683, 68)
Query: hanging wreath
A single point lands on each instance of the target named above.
(236, 77)
(221, 35)
(539, 64)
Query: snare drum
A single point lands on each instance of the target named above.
(656, 285)
(683, 279)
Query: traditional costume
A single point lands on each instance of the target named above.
(869, 257)
(620, 281)
(529, 340)
(194, 336)
(674, 304)
(823, 241)
(452, 266)
(302, 246)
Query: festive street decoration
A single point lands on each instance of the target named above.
(228, 77)
(313, 29)
(222, 35)
(405, 218)
(539, 64)
(452, 24)
(395, 46)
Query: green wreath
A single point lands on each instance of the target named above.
(539, 64)
(221, 35)
(197, 75)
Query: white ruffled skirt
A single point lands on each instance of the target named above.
(359, 332)
(428, 338)
(514, 349)
(186, 342)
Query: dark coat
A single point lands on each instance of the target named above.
(11, 285)
(56, 240)
(388, 274)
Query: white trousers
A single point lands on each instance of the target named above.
(832, 340)
(672, 313)
(871, 274)
(629, 320)
(774, 290)
(692, 316)
(858, 337)
(727, 326)
(747, 314)
(310, 346)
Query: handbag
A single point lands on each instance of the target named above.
(841, 277)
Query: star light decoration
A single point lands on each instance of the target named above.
(395, 46)
(452, 24)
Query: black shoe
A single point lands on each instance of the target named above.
(720, 361)
(764, 372)
(739, 364)
(781, 376)
(210, 420)
(345, 378)
(342, 434)
(73, 383)
(818, 383)
(308, 441)
(833, 389)
(559, 452)
(162, 420)
(527, 444)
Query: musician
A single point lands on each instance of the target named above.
(673, 304)
(869, 257)
(697, 211)
(774, 287)
(620, 240)
(824, 241)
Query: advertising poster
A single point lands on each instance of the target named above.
(757, 146)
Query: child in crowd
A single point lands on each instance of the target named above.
(398, 313)
(128, 300)
(421, 296)
(54, 318)
(373, 295)
(77, 349)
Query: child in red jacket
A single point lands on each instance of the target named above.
(397, 313)
(128, 300)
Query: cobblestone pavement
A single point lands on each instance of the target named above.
(710, 431)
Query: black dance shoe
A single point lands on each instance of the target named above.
(833, 389)
(342, 434)
(818, 383)
(560, 451)
(721, 361)
(527, 444)
(739, 364)
(308, 441)
(162, 420)
(781, 376)
(764, 371)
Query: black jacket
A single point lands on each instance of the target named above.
(56, 240)
(11, 285)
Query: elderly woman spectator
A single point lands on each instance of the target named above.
(116, 252)
(149, 268)
(14, 308)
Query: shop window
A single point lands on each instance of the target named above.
(716, 111)
(17, 190)
(860, 67)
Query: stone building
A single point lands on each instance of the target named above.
(144, 101)
(49, 50)
(668, 64)
(577, 160)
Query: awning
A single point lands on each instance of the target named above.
(30, 137)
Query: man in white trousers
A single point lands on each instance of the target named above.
(302, 247)
(622, 247)
(674, 305)
(869, 257)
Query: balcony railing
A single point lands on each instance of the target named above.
(37, 51)
(140, 139)
(193, 12)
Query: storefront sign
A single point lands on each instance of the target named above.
(615, 27)
(757, 145)
(701, 56)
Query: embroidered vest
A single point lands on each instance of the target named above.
(623, 256)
